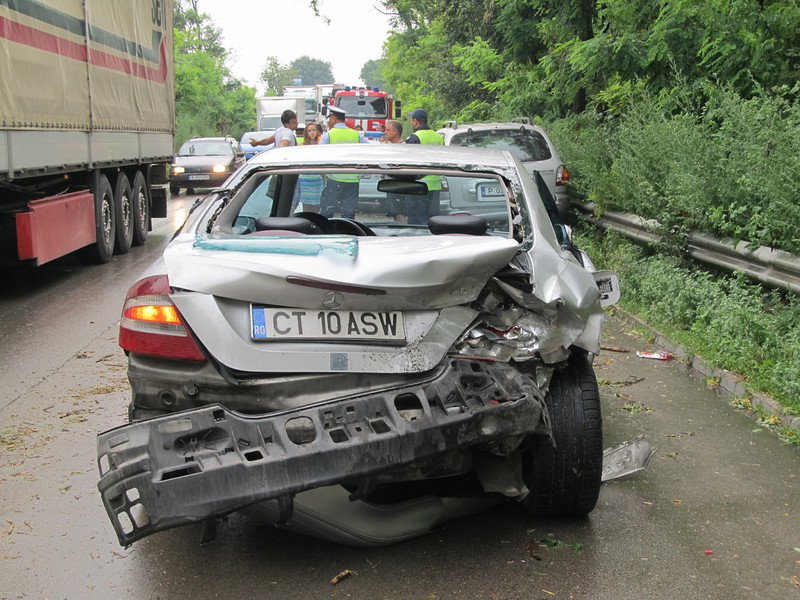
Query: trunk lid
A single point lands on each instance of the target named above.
(427, 282)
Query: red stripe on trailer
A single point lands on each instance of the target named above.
(55, 226)
(23, 34)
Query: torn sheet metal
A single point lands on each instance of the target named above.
(627, 458)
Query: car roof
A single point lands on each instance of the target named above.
(211, 139)
(382, 155)
(448, 131)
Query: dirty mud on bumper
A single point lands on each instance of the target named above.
(207, 462)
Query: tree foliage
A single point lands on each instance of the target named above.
(209, 101)
(312, 71)
(372, 75)
(559, 57)
(275, 76)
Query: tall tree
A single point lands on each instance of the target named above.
(372, 74)
(208, 99)
(312, 71)
(276, 76)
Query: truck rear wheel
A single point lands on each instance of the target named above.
(564, 479)
(105, 223)
(141, 209)
(123, 212)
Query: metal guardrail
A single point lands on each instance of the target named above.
(774, 268)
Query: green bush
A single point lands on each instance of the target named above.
(729, 168)
(731, 322)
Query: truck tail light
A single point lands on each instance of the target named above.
(562, 175)
(151, 324)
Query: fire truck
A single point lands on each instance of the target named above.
(368, 107)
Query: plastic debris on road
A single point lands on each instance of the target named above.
(660, 355)
(627, 458)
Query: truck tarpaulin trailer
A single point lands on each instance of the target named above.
(367, 107)
(87, 125)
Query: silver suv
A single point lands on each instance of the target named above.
(528, 143)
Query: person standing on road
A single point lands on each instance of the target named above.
(394, 133)
(284, 135)
(312, 135)
(341, 191)
(309, 186)
(395, 203)
(419, 209)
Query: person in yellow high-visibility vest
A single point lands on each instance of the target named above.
(420, 208)
(341, 191)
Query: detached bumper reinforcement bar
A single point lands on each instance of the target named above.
(206, 462)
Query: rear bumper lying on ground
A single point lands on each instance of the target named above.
(207, 462)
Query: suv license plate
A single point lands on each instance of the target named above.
(490, 192)
(270, 324)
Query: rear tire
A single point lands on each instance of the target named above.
(105, 223)
(123, 209)
(565, 480)
(141, 209)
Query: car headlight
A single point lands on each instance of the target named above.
(219, 168)
(178, 170)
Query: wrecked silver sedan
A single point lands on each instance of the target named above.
(353, 375)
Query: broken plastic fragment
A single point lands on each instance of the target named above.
(627, 458)
(660, 355)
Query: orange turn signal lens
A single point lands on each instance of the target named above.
(153, 314)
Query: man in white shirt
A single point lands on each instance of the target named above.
(284, 135)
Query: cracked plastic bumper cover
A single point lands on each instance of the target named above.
(208, 462)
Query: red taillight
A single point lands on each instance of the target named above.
(151, 324)
(562, 175)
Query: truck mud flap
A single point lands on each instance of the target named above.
(201, 463)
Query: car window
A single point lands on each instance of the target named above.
(205, 148)
(386, 210)
(525, 145)
(269, 123)
(357, 106)
(259, 202)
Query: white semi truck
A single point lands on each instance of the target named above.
(87, 125)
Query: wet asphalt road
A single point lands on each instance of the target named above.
(715, 516)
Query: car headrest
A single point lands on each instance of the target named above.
(463, 224)
(295, 224)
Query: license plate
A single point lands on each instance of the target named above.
(199, 177)
(302, 324)
(491, 192)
